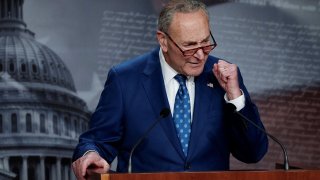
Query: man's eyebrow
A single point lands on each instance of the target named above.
(194, 42)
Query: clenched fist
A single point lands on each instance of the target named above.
(227, 75)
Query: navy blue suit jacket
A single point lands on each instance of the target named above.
(133, 96)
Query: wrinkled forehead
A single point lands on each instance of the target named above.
(193, 26)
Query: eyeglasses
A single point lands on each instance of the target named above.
(191, 52)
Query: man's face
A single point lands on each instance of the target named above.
(188, 31)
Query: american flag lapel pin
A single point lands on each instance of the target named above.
(210, 85)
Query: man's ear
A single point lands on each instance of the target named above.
(162, 41)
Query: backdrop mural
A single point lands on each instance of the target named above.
(55, 55)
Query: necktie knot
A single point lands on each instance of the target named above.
(181, 79)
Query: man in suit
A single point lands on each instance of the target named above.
(136, 91)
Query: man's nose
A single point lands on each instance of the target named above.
(199, 54)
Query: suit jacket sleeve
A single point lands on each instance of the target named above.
(248, 144)
(105, 130)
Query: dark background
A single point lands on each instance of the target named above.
(276, 44)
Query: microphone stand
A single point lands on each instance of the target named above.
(286, 160)
(164, 113)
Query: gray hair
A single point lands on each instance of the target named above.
(178, 6)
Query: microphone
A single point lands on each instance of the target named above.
(232, 108)
(163, 114)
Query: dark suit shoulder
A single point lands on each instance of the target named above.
(138, 63)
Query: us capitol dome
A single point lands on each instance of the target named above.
(41, 115)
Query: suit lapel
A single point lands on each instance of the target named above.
(154, 87)
(204, 92)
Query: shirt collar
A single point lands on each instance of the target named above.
(168, 72)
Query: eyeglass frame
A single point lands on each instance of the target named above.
(214, 45)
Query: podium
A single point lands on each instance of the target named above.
(215, 175)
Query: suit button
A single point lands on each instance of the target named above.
(187, 166)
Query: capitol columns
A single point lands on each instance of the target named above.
(4, 163)
(42, 167)
(24, 174)
(58, 165)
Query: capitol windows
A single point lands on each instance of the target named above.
(1, 124)
(23, 68)
(1, 66)
(34, 68)
(67, 126)
(42, 123)
(55, 124)
(28, 123)
(14, 123)
(11, 67)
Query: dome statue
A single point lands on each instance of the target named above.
(41, 115)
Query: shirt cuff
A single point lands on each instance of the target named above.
(239, 102)
(89, 151)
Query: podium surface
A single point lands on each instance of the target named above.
(212, 175)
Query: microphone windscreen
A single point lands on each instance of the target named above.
(164, 112)
(230, 107)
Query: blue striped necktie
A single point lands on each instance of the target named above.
(182, 113)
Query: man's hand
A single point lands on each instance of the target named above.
(227, 75)
(89, 164)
